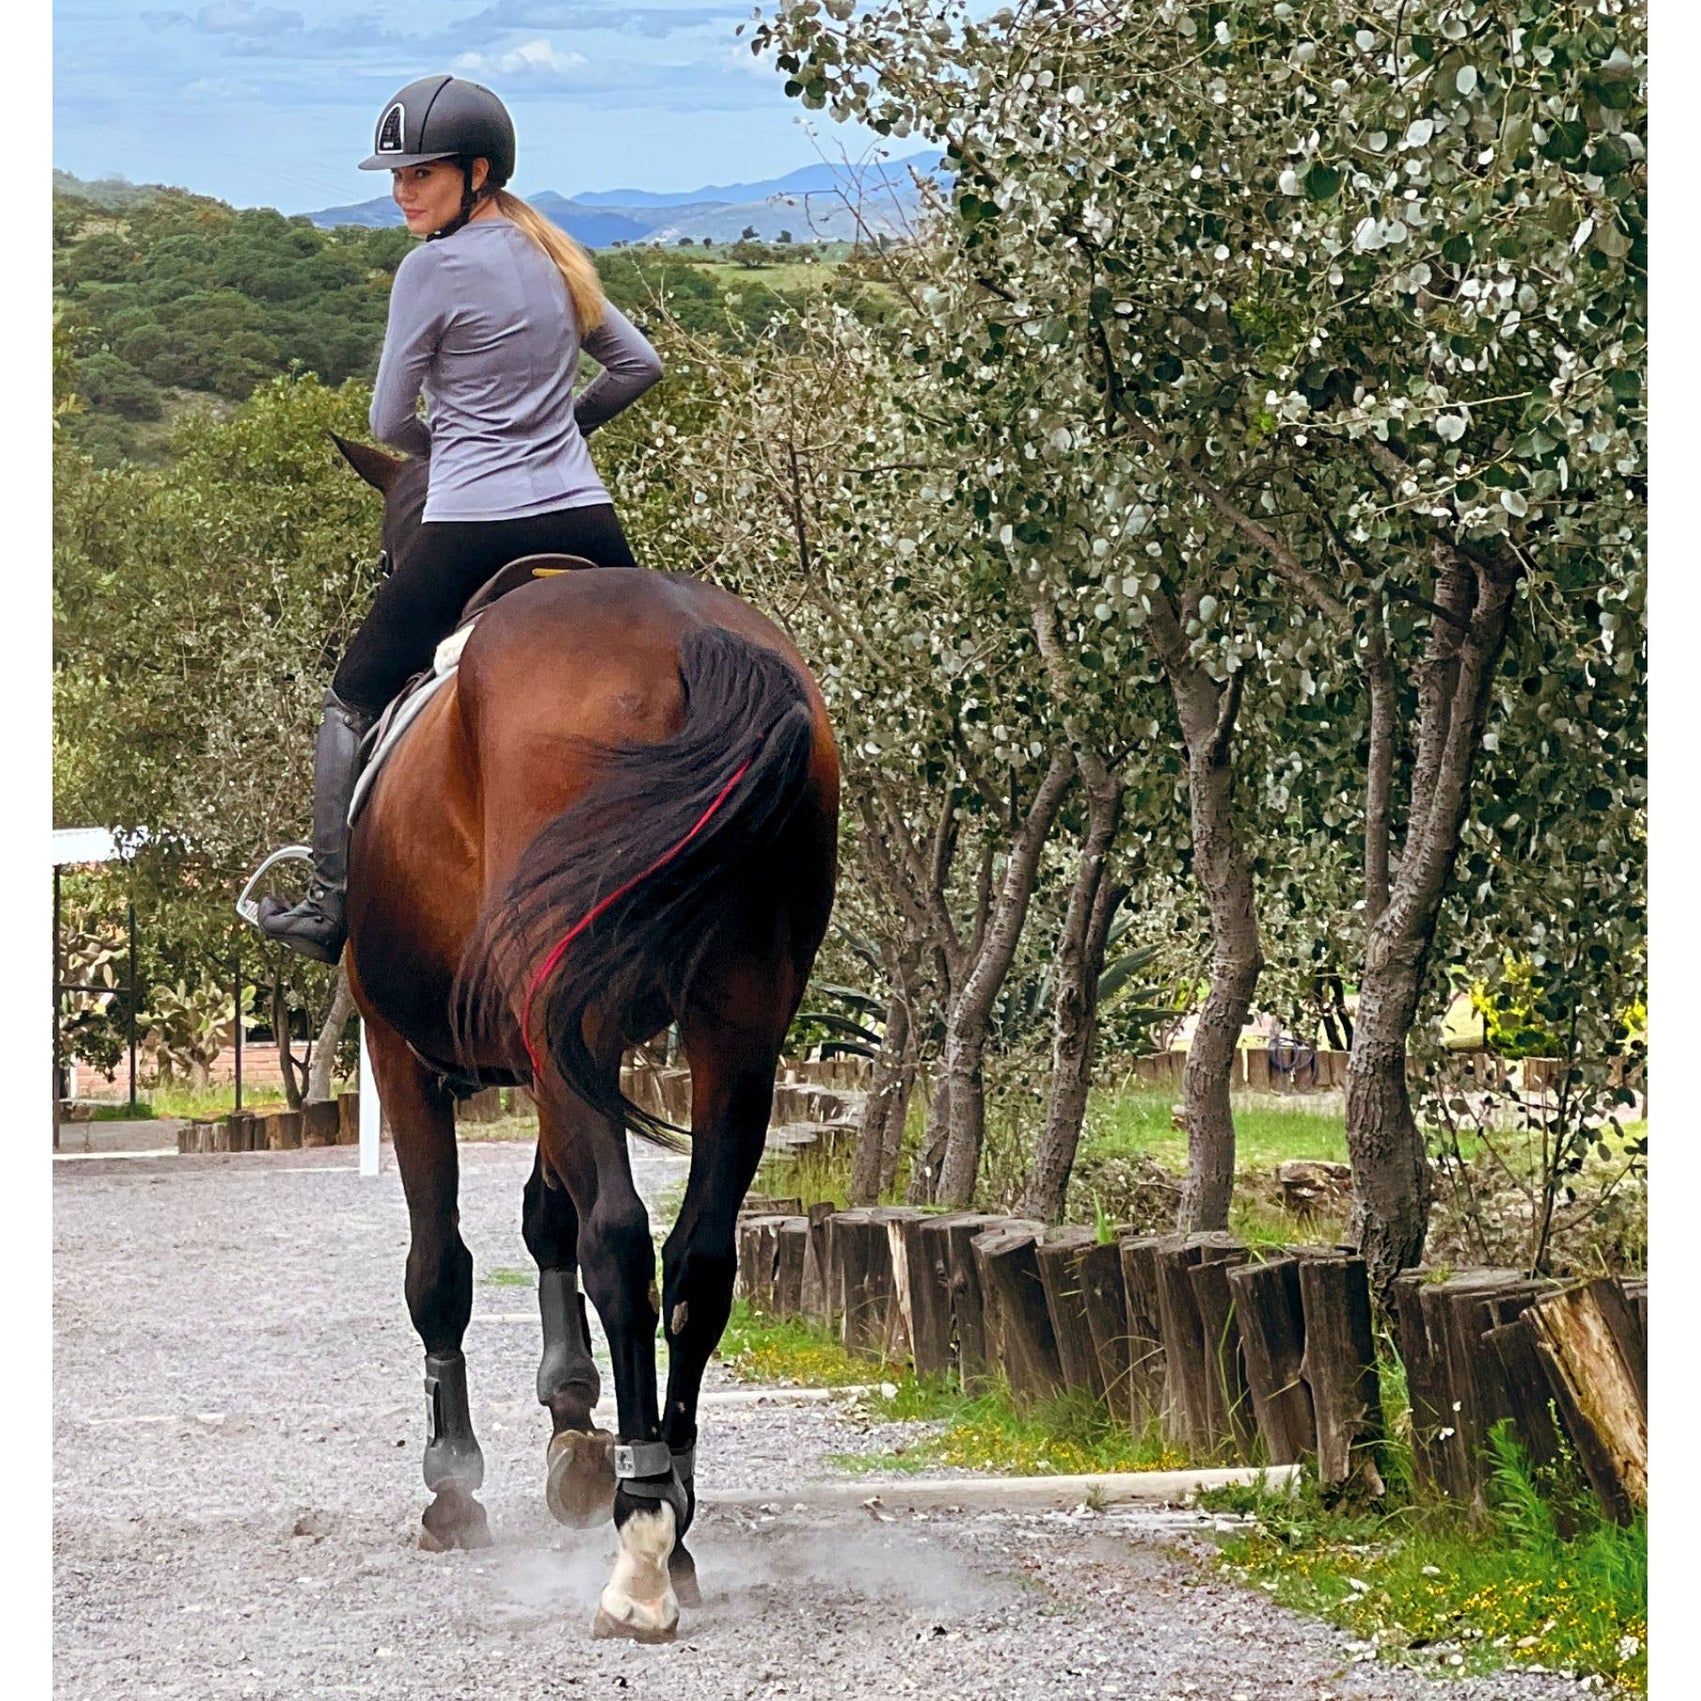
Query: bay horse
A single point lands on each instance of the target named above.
(621, 813)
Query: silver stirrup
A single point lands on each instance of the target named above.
(248, 906)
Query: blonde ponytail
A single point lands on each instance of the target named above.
(578, 270)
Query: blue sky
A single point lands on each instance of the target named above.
(273, 105)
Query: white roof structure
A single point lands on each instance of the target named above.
(84, 844)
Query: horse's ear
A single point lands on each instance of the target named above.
(378, 469)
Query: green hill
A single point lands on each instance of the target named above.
(110, 192)
(165, 300)
(171, 295)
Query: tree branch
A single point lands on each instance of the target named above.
(1228, 711)
(1286, 563)
(971, 766)
(803, 563)
(944, 849)
(878, 846)
(1379, 779)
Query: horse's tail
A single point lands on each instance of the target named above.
(617, 899)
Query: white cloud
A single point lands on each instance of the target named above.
(243, 17)
(217, 88)
(537, 58)
(740, 58)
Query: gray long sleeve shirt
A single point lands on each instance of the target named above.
(481, 324)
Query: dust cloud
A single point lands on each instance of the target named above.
(742, 1566)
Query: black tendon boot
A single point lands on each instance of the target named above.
(314, 927)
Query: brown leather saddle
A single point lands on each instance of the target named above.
(520, 571)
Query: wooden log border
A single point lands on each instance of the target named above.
(1249, 1355)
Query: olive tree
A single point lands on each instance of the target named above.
(794, 472)
(1344, 303)
(198, 613)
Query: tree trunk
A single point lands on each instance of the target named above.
(1207, 712)
(330, 1035)
(888, 1085)
(1332, 1003)
(1378, 667)
(897, 1116)
(924, 1173)
(1471, 608)
(959, 1169)
(1221, 868)
(971, 1008)
(915, 878)
(287, 1065)
(1075, 1010)
(1391, 1180)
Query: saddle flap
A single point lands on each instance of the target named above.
(520, 572)
(400, 715)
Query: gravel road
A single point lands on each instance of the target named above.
(237, 1434)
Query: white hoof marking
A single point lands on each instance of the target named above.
(639, 1601)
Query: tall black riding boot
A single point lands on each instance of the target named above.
(314, 927)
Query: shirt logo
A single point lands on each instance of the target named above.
(390, 129)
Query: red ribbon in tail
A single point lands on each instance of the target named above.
(559, 949)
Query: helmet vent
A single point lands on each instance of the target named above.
(390, 128)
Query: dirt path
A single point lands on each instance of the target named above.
(237, 1433)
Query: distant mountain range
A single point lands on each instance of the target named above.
(824, 202)
(822, 178)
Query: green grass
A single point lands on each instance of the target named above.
(792, 1354)
(507, 1278)
(1425, 1585)
(812, 1176)
(1135, 1122)
(1072, 1435)
(180, 1099)
(523, 1127)
(789, 271)
(141, 1111)
(789, 275)
(1127, 1122)
(1068, 1436)
(1260, 1223)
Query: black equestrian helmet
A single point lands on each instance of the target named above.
(444, 118)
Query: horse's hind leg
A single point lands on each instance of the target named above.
(580, 1488)
(588, 1151)
(439, 1286)
(732, 1091)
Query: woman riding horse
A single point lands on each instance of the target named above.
(487, 319)
(619, 814)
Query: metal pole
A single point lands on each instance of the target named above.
(370, 1110)
(236, 965)
(132, 1018)
(58, 978)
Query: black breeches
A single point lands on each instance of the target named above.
(418, 605)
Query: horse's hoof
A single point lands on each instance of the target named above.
(682, 1573)
(605, 1625)
(454, 1519)
(580, 1489)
